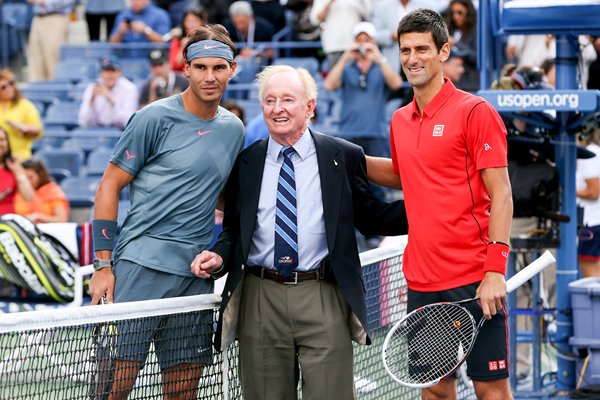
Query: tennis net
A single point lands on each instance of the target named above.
(69, 353)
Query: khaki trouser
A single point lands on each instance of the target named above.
(46, 36)
(283, 328)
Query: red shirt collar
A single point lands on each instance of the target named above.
(438, 101)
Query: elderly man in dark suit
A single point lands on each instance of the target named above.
(294, 296)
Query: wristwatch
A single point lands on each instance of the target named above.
(101, 264)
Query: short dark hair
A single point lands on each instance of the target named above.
(423, 20)
(209, 32)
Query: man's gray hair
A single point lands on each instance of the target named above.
(239, 8)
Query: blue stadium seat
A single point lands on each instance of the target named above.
(71, 160)
(77, 70)
(97, 161)
(109, 136)
(40, 105)
(64, 113)
(54, 136)
(309, 63)
(80, 190)
(251, 108)
(47, 90)
(135, 68)
(59, 174)
(87, 144)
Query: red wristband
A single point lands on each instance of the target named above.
(497, 257)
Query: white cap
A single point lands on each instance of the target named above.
(364, 27)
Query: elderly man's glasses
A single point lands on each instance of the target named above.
(5, 85)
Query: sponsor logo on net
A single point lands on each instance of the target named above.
(549, 100)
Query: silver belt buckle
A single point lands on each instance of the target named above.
(295, 281)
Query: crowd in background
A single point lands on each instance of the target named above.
(112, 98)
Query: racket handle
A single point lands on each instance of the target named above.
(529, 271)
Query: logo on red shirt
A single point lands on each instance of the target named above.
(438, 130)
(487, 147)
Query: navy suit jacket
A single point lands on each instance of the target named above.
(347, 203)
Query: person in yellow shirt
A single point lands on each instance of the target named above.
(19, 117)
(42, 200)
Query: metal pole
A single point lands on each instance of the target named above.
(567, 49)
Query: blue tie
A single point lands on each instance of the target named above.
(286, 228)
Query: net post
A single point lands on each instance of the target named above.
(225, 374)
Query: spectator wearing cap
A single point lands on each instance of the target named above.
(337, 17)
(163, 81)
(49, 30)
(364, 79)
(243, 26)
(143, 22)
(109, 101)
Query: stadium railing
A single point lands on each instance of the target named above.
(66, 353)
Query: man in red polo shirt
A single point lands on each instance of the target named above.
(449, 157)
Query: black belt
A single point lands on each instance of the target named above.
(49, 13)
(319, 274)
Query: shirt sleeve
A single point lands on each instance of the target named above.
(136, 144)
(486, 137)
(393, 150)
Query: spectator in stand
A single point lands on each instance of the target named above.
(243, 26)
(97, 11)
(303, 30)
(49, 30)
(192, 19)
(270, 10)
(594, 68)
(163, 82)
(39, 198)
(530, 50)
(143, 22)
(386, 14)
(218, 10)
(338, 17)
(109, 101)
(365, 79)
(462, 26)
(454, 67)
(549, 68)
(19, 117)
(8, 182)
(588, 197)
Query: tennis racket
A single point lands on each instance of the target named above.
(431, 342)
(104, 338)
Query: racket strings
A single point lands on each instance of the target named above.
(430, 343)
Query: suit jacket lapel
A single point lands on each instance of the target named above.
(251, 173)
(331, 172)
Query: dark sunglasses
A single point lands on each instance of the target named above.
(10, 83)
(362, 81)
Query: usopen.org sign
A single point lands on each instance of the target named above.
(540, 100)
